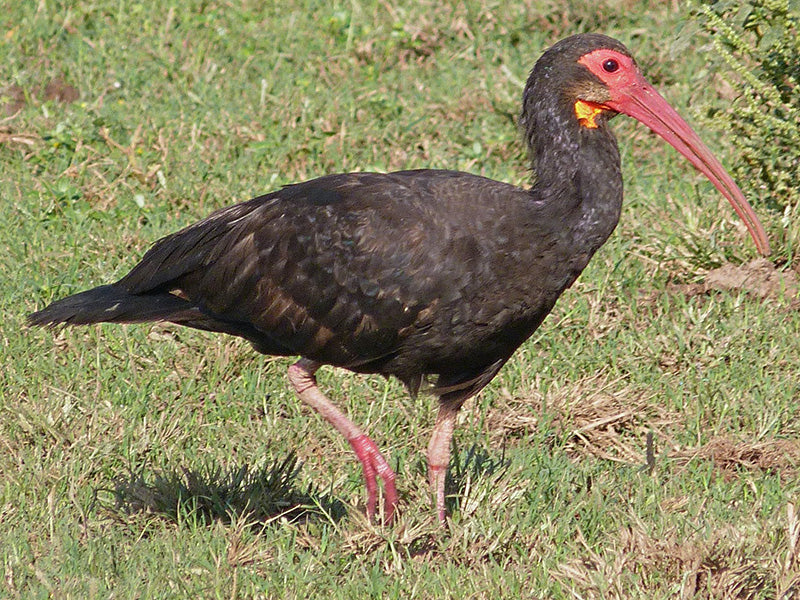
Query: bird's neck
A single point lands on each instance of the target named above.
(577, 175)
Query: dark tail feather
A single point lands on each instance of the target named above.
(109, 304)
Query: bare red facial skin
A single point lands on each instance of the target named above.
(632, 95)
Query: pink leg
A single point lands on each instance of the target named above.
(301, 375)
(439, 454)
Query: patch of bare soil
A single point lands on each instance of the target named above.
(732, 456)
(759, 277)
(14, 98)
(58, 90)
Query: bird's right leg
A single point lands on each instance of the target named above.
(439, 453)
(301, 375)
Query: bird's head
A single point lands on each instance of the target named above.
(589, 78)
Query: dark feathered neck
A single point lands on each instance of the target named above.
(577, 176)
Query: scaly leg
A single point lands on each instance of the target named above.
(439, 453)
(301, 375)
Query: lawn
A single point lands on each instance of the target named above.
(642, 444)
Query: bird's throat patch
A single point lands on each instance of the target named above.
(587, 112)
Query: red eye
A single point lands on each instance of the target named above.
(610, 65)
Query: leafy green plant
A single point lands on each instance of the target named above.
(758, 40)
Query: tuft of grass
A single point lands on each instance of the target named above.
(754, 45)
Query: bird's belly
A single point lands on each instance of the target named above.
(465, 343)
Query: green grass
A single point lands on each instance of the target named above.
(157, 462)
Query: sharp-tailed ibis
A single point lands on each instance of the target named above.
(423, 275)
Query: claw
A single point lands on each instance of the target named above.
(375, 465)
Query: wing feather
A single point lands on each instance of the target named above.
(360, 270)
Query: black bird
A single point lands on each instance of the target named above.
(424, 275)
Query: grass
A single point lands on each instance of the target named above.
(643, 444)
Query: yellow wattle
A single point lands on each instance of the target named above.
(587, 112)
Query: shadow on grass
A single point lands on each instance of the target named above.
(472, 474)
(214, 493)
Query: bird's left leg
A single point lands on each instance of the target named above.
(439, 452)
(301, 375)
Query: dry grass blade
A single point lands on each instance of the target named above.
(789, 579)
(600, 416)
(8, 136)
(725, 565)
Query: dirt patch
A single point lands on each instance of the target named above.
(731, 456)
(59, 90)
(759, 277)
(14, 98)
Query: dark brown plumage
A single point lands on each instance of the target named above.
(415, 274)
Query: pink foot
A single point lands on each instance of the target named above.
(374, 464)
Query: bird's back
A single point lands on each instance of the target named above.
(408, 274)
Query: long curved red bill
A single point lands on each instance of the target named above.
(638, 99)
